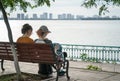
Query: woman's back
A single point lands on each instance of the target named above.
(24, 40)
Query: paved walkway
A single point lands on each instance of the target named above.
(75, 71)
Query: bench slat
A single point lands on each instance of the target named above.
(4, 52)
(6, 57)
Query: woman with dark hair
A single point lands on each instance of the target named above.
(26, 31)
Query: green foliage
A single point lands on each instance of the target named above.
(89, 3)
(91, 67)
(103, 9)
(83, 57)
(107, 61)
(101, 4)
(114, 62)
(24, 4)
(93, 59)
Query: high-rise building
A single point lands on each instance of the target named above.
(41, 16)
(78, 17)
(44, 16)
(62, 16)
(70, 17)
(50, 16)
(115, 17)
(22, 16)
(18, 16)
(66, 16)
(35, 16)
(26, 16)
(59, 16)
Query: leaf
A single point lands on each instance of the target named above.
(89, 3)
(103, 9)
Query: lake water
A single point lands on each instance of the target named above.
(82, 32)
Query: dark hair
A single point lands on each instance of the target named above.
(25, 28)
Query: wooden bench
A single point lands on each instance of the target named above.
(34, 53)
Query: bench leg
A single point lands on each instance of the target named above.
(57, 70)
(67, 68)
(2, 61)
(57, 75)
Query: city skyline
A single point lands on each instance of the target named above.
(72, 6)
(63, 16)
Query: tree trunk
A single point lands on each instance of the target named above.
(11, 41)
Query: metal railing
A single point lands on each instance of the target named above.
(92, 53)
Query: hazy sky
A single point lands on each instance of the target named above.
(73, 7)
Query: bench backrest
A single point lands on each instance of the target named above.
(36, 53)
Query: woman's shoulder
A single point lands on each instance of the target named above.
(25, 40)
(39, 41)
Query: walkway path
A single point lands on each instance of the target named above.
(75, 72)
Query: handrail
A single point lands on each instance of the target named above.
(94, 53)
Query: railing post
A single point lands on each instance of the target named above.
(72, 52)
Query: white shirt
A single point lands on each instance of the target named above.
(39, 41)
